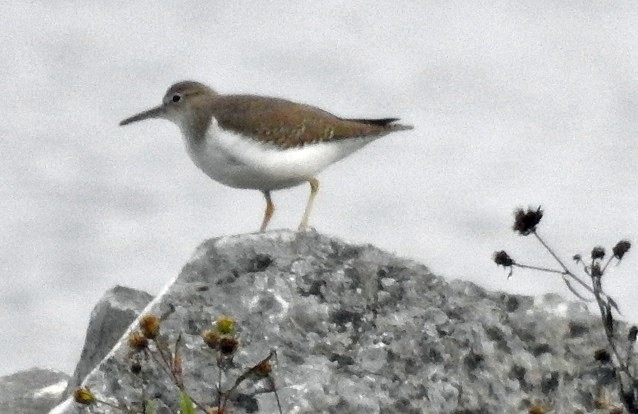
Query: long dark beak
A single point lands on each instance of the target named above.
(156, 112)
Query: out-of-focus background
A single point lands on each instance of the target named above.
(514, 103)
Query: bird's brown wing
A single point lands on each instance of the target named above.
(287, 124)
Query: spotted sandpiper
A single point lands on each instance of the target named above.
(262, 143)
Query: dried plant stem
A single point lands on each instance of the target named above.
(566, 272)
(604, 302)
(607, 264)
(219, 382)
(167, 368)
(117, 407)
(621, 360)
(274, 390)
(539, 268)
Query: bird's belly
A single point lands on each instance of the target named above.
(242, 162)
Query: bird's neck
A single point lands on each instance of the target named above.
(195, 125)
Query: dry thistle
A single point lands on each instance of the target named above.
(225, 325)
(597, 252)
(150, 326)
(596, 271)
(621, 248)
(539, 407)
(211, 338)
(263, 369)
(503, 259)
(228, 345)
(525, 222)
(602, 355)
(136, 367)
(83, 396)
(137, 341)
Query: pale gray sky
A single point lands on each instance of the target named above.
(513, 103)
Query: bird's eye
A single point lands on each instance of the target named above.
(176, 98)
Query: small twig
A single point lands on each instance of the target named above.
(180, 386)
(542, 269)
(274, 390)
(219, 381)
(164, 367)
(574, 291)
(560, 262)
(611, 257)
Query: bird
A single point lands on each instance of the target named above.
(260, 142)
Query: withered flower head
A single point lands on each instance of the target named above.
(503, 259)
(137, 341)
(211, 338)
(228, 345)
(577, 258)
(263, 369)
(150, 326)
(621, 248)
(225, 325)
(525, 221)
(537, 408)
(602, 355)
(136, 367)
(83, 396)
(596, 271)
(597, 252)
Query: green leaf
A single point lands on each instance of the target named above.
(185, 404)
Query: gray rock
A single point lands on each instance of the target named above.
(110, 318)
(358, 330)
(34, 391)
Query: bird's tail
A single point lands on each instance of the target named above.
(387, 123)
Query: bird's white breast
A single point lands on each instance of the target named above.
(243, 162)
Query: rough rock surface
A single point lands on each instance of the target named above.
(110, 318)
(33, 391)
(358, 330)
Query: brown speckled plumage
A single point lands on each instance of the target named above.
(276, 121)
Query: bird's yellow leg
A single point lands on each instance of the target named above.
(270, 209)
(314, 188)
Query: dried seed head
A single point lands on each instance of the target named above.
(525, 221)
(596, 271)
(136, 367)
(225, 325)
(577, 258)
(601, 403)
(263, 369)
(150, 326)
(598, 252)
(537, 408)
(602, 355)
(211, 338)
(137, 341)
(621, 248)
(228, 345)
(83, 396)
(503, 259)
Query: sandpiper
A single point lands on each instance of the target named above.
(262, 143)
